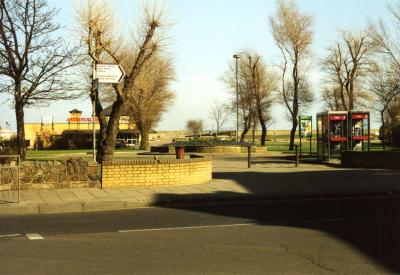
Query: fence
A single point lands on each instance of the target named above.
(10, 179)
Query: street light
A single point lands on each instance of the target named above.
(236, 57)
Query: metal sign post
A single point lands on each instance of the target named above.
(96, 86)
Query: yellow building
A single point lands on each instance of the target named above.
(77, 132)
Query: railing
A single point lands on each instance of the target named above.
(10, 179)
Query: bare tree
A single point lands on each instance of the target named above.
(292, 33)
(331, 97)
(104, 46)
(34, 62)
(256, 83)
(219, 113)
(385, 43)
(263, 84)
(346, 65)
(246, 101)
(195, 126)
(150, 96)
(385, 86)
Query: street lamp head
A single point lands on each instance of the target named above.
(236, 56)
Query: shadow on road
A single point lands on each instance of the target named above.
(370, 224)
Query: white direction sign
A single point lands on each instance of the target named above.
(109, 73)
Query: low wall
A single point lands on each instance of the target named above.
(156, 172)
(209, 149)
(383, 160)
(72, 173)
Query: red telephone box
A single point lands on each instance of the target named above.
(359, 131)
(332, 135)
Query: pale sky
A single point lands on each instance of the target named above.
(205, 35)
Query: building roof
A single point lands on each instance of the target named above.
(75, 111)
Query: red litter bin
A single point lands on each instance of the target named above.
(180, 152)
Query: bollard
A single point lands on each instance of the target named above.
(249, 156)
(297, 155)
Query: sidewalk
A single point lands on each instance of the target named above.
(269, 179)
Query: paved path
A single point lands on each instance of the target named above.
(268, 179)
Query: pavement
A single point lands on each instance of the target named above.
(271, 177)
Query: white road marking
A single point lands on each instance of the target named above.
(10, 235)
(228, 225)
(184, 227)
(34, 236)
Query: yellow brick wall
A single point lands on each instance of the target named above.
(162, 172)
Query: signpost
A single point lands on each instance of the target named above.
(103, 73)
(109, 73)
(305, 129)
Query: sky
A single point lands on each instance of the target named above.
(203, 37)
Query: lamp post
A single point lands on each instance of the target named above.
(236, 57)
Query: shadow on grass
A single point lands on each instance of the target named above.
(370, 224)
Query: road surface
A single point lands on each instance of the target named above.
(336, 235)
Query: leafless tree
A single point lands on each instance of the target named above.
(385, 39)
(219, 113)
(385, 86)
(35, 63)
(263, 83)
(104, 46)
(347, 65)
(257, 85)
(150, 96)
(195, 126)
(246, 101)
(292, 33)
(385, 43)
(331, 97)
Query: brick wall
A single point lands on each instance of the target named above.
(156, 172)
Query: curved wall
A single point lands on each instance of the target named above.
(156, 172)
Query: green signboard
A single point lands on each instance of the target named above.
(305, 125)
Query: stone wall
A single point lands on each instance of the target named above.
(156, 172)
(72, 173)
(383, 160)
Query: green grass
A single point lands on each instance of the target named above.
(273, 146)
(65, 154)
(283, 146)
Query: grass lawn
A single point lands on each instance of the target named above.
(65, 154)
(281, 145)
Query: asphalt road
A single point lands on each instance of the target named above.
(353, 235)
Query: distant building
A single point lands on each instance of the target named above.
(6, 134)
(77, 132)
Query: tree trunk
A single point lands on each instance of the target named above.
(383, 131)
(94, 95)
(243, 135)
(246, 128)
(106, 149)
(253, 134)
(263, 132)
(295, 105)
(293, 133)
(19, 113)
(144, 139)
